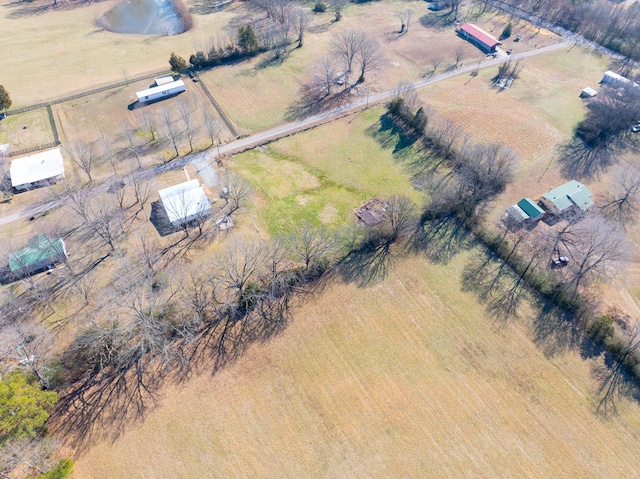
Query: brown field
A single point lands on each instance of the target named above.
(358, 387)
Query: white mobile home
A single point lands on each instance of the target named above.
(160, 91)
(185, 202)
(38, 169)
(615, 80)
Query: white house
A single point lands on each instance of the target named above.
(185, 202)
(38, 169)
(160, 91)
(571, 195)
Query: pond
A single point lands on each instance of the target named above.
(143, 17)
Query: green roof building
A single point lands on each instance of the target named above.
(530, 207)
(42, 252)
(565, 197)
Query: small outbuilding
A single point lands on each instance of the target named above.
(39, 169)
(571, 195)
(42, 252)
(163, 90)
(185, 203)
(480, 38)
(588, 92)
(164, 80)
(525, 210)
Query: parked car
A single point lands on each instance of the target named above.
(636, 128)
(561, 261)
(509, 51)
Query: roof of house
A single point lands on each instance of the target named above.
(480, 34)
(588, 91)
(159, 89)
(572, 192)
(36, 167)
(184, 201)
(40, 248)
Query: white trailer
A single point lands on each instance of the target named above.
(160, 91)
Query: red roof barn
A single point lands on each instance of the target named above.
(476, 35)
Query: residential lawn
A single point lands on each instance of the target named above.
(321, 176)
(26, 130)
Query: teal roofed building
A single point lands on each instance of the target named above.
(525, 210)
(42, 252)
(572, 194)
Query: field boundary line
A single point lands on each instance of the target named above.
(87, 93)
(216, 105)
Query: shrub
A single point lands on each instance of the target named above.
(320, 7)
(601, 329)
(61, 471)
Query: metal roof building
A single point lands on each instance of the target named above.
(37, 169)
(525, 209)
(41, 252)
(185, 202)
(160, 91)
(564, 197)
(476, 35)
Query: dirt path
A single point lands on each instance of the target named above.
(279, 132)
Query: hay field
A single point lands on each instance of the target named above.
(321, 176)
(408, 378)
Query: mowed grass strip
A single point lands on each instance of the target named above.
(409, 378)
(321, 176)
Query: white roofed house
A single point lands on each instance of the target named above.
(185, 203)
(39, 169)
(163, 89)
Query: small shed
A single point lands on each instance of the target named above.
(588, 92)
(480, 38)
(525, 210)
(185, 202)
(572, 194)
(160, 91)
(38, 169)
(41, 253)
(164, 80)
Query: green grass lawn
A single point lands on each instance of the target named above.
(26, 130)
(321, 176)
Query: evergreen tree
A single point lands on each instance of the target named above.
(178, 64)
(247, 40)
(5, 99)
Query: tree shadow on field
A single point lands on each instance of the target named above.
(389, 135)
(440, 239)
(496, 285)
(366, 265)
(312, 102)
(579, 160)
(556, 331)
(38, 7)
(436, 21)
(614, 382)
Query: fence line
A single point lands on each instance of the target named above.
(87, 93)
(54, 128)
(218, 108)
(35, 148)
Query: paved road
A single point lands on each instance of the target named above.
(203, 159)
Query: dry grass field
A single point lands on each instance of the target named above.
(360, 387)
(26, 130)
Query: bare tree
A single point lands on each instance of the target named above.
(85, 285)
(622, 202)
(149, 123)
(186, 115)
(107, 148)
(313, 246)
(172, 131)
(436, 60)
(149, 252)
(237, 191)
(338, 6)
(324, 73)
(142, 190)
(459, 55)
(405, 19)
(131, 134)
(300, 19)
(212, 125)
(84, 157)
(368, 56)
(346, 46)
